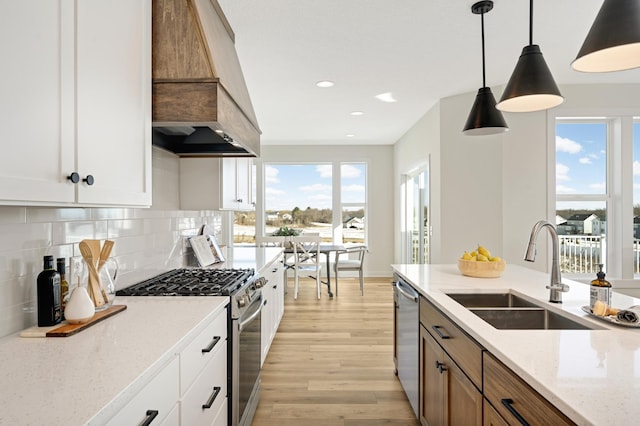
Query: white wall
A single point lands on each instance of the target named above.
(492, 189)
(380, 187)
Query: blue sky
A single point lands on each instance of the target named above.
(310, 185)
(581, 159)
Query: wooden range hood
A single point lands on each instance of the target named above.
(201, 105)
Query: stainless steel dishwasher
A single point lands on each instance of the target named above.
(407, 338)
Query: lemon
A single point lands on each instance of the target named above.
(483, 251)
(482, 258)
(473, 254)
(496, 259)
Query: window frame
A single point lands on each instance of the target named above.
(618, 197)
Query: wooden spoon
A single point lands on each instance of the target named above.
(104, 256)
(87, 249)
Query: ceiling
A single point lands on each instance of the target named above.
(419, 50)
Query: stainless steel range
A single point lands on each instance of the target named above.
(243, 287)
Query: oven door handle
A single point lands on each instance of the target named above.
(258, 302)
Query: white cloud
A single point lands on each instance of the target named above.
(567, 145)
(585, 160)
(561, 189)
(319, 197)
(271, 174)
(562, 172)
(353, 188)
(347, 171)
(636, 168)
(601, 186)
(325, 170)
(316, 187)
(273, 192)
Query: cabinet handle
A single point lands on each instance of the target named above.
(437, 328)
(507, 403)
(214, 342)
(274, 270)
(440, 366)
(239, 200)
(214, 395)
(275, 286)
(74, 177)
(151, 414)
(89, 180)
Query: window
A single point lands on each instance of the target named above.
(597, 191)
(305, 197)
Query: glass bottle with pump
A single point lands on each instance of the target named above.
(49, 309)
(600, 289)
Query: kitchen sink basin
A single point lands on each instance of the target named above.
(528, 319)
(508, 311)
(490, 300)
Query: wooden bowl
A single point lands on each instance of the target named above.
(477, 269)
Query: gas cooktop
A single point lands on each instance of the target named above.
(191, 282)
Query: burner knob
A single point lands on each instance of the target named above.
(242, 301)
(260, 282)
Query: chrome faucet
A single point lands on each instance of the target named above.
(556, 288)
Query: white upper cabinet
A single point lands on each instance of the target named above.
(216, 184)
(76, 98)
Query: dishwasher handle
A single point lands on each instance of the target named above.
(407, 292)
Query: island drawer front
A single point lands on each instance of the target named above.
(203, 347)
(512, 397)
(460, 347)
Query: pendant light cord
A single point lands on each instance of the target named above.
(484, 84)
(530, 22)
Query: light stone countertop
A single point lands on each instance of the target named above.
(593, 376)
(88, 377)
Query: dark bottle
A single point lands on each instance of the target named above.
(64, 284)
(49, 300)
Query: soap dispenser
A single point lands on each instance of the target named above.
(600, 289)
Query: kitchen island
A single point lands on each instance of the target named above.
(592, 376)
(91, 376)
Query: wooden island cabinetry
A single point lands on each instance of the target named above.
(461, 383)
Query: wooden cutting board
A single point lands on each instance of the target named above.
(65, 329)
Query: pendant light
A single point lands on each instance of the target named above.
(613, 43)
(484, 118)
(531, 86)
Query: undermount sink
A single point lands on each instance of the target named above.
(508, 311)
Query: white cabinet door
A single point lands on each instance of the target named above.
(36, 101)
(273, 294)
(114, 101)
(243, 183)
(76, 97)
(230, 190)
(268, 295)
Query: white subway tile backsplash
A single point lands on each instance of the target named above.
(147, 242)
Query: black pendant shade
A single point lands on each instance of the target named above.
(484, 118)
(613, 43)
(531, 86)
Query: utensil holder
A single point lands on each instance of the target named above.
(101, 285)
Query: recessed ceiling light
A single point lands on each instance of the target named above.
(357, 113)
(325, 83)
(350, 135)
(386, 97)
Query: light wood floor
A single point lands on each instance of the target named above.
(331, 362)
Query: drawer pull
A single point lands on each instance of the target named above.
(437, 328)
(214, 342)
(214, 395)
(151, 414)
(507, 403)
(440, 366)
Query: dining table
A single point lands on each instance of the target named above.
(325, 249)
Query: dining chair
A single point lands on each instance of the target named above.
(306, 255)
(350, 259)
(287, 258)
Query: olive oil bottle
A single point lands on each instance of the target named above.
(64, 284)
(600, 289)
(49, 300)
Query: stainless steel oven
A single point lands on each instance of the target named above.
(245, 359)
